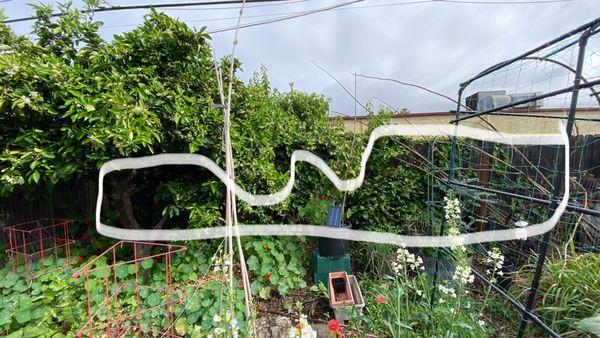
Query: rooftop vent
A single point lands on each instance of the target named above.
(474, 99)
(486, 100)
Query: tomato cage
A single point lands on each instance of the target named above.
(125, 297)
(38, 239)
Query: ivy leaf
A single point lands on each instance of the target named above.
(5, 317)
(154, 299)
(122, 271)
(265, 292)
(48, 261)
(180, 326)
(193, 304)
(39, 312)
(10, 279)
(147, 263)
(253, 263)
(23, 316)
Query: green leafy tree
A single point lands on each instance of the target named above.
(71, 101)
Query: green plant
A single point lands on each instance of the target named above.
(401, 305)
(277, 263)
(315, 211)
(51, 306)
(569, 291)
(591, 325)
(372, 259)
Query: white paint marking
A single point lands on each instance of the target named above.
(342, 185)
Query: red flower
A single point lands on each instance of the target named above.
(80, 259)
(93, 240)
(381, 300)
(99, 245)
(89, 228)
(334, 325)
(84, 236)
(268, 276)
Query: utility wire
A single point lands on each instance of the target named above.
(234, 8)
(394, 4)
(182, 6)
(289, 17)
(169, 5)
(282, 14)
(503, 2)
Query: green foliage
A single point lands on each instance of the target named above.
(50, 306)
(394, 188)
(78, 101)
(315, 211)
(277, 263)
(203, 305)
(569, 291)
(591, 325)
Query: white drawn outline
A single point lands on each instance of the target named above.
(342, 185)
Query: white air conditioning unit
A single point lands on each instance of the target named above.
(524, 96)
(492, 101)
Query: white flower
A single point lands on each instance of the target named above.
(463, 274)
(25, 99)
(419, 292)
(216, 318)
(303, 330)
(447, 291)
(12, 70)
(495, 259)
(405, 258)
(481, 323)
(218, 331)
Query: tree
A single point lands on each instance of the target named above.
(71, 101)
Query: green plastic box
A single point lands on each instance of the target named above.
(322, 266)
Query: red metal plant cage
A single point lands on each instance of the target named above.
(38, 239)
(118, 291)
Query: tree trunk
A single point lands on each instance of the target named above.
(120, 194)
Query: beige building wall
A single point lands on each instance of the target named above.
(509, 124)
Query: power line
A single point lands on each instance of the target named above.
(412, 2)
(283, 15)
(246, 7)
(122, 8)
(337, 7)
(289, 17)
(181, 6)
(502, 2)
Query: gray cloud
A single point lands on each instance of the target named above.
(437, 45)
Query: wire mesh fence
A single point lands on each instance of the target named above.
(38, 240)
(122, 299)
(502, 186)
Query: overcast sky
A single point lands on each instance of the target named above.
(434, 44)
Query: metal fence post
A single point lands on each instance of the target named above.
(450, 178)
(557, 183)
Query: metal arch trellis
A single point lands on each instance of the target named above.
(583, 32)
